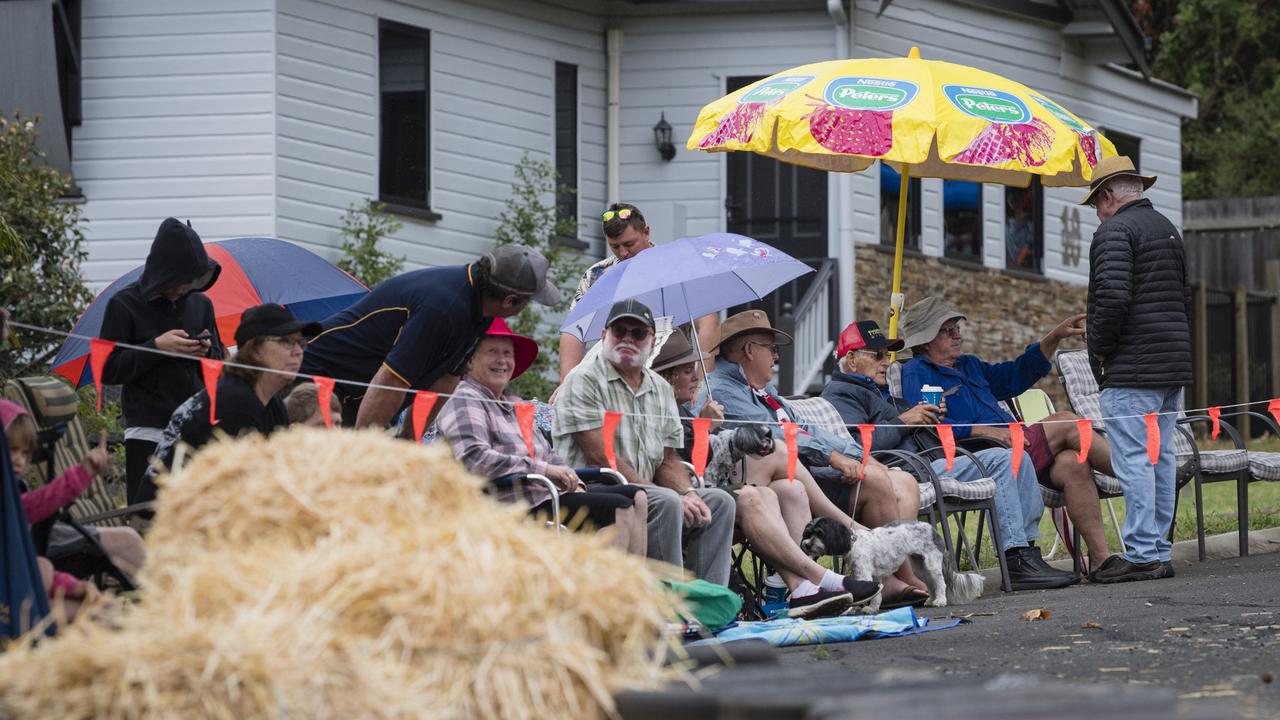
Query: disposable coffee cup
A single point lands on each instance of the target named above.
(931, 394)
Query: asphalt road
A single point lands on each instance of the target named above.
(1211, 634)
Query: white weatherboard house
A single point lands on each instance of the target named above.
(271, 117)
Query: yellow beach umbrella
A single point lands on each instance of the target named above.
(925, 118)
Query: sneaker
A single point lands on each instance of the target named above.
(1117, 569)
(862, 591)
(818, 605)
(1029, 571)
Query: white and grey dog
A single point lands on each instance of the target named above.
(726, 448)
(875, 554)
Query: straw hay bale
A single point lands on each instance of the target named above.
(320, 574)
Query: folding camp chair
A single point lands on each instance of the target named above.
(517, 481)
(1203, 465)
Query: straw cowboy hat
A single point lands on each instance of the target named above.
(749, 321)
(1113, 167)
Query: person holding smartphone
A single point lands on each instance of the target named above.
(165, 309)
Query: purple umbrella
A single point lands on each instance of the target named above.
(686, 279)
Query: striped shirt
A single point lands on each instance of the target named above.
(485, 437)
(650, 419)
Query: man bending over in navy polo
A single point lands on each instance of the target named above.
(417, 330)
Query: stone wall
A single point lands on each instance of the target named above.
(1005, 310)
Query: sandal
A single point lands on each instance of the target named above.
(909, 597)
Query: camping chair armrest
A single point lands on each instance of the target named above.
(962, 451)
(1266, 419)
(601, 476)
(914, 463)
(509, 482)
(1226, 426)
(135, 509)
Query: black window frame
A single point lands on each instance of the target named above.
(1126, 144)
(911, 240)
(391, 192)
(1036, 189)
(566, 145)
(947, 252)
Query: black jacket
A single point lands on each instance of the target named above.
(1139, 301)
(858, 400)
(155, 385)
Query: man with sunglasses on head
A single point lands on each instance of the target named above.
(932, 329)
(646, 444)
(859, 392)
(627, 234)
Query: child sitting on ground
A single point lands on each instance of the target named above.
(123, 545)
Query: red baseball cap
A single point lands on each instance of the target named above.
(865, 335)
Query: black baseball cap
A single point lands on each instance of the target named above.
(272, 319)
(630, 308)
(521, 270)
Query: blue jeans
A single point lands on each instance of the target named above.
(1149, 490)
(1018, 501)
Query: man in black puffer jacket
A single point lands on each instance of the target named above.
(165, 309)
(1139, 334)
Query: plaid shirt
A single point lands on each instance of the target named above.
(595, 386)
(590, 277)
(486, 439)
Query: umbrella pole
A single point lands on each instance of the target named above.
(693, 326)
(896, 299)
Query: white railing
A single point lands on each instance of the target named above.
(810, 323)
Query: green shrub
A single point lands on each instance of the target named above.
(364, 227)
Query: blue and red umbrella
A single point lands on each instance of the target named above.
(254, 271)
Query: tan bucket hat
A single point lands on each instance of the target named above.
(1113, 167)
(750, 321)
(921, 322)
(677, 351)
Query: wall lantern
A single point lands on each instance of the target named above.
(662, 138)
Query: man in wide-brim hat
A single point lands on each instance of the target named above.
(1139, 340)
(742, 382)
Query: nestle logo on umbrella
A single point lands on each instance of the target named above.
(774, 89)
(864, 93)
(991, 105)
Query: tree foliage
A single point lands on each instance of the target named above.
(1227, 52)
(363, 229)
(41, 248)
(529, 218)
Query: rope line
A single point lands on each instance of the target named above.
(849, 427)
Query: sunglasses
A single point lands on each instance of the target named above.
(623, 214)
(621, 332)
(877, 354)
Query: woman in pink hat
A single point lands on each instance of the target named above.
(480, 423)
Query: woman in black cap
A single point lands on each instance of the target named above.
(269, 337)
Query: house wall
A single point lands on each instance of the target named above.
(178, 102)
(492, 99)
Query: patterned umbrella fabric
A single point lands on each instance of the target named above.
(254, 271)
(686, 279)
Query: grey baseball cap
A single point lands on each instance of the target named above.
(522, 270)
(921, 322)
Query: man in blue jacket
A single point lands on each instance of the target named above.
(933, 330)
(1140, 349)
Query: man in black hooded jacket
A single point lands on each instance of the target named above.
(165, 309)
(1139, 335)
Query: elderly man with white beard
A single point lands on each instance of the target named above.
(646, 443)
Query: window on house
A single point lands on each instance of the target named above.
(1024, 227)
(566, 128)
(404, 148)
(890, 190)
(962, 220)
(1126, 144)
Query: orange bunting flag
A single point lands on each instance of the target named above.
(701, 444)
(866, 432)
(524, 416)
(1215, 413)
(791, 431)
(1273, 407)
(611, 420)
(1153, 437)
(1085, 426)
(948, 445)
(99, 349)
(1017, 445)
(324, 395)
(211, 369)
(423, 402)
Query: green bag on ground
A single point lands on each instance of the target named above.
(713, 606)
